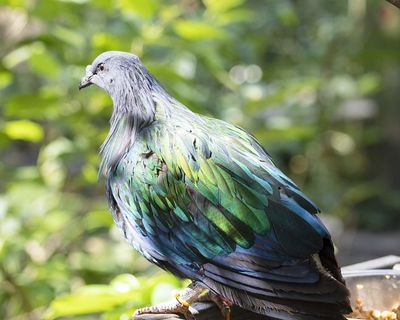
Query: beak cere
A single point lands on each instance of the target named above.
(85, 81)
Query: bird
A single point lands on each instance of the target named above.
(202, 199)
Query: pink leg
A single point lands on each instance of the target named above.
(222, 303)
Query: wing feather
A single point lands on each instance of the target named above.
(215, 208)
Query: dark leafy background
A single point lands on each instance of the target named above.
(317, 82)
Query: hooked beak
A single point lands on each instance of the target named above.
(86, 80)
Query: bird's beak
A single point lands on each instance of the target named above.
(86, 80)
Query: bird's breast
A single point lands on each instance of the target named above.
(131, 187)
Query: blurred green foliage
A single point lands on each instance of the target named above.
(316, 81)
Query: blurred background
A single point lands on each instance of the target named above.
(317, 82)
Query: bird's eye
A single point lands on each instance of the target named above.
(101, 67)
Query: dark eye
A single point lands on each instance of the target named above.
(101, 67)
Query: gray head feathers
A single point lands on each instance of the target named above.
(132, 88)
(124, 78)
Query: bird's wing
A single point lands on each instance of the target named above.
(215, 192)
(211, 203)
(229, 179)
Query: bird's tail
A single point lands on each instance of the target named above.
(283, 308)
(325, 299)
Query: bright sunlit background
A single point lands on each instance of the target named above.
(317, 82)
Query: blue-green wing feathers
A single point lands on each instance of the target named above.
(177, 179)
(216, 209)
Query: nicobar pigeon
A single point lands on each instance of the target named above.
(201, 198)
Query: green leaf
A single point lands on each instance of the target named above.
(144, 9)
(5, 79)
(69, 36)
(123, 289)
(22, 54)
(368, 83)
(197, 30)
(30, 105)
(103, 42)
(91, 299)
(293, 132)
(23, 130)
(222, 5)
(44, 64)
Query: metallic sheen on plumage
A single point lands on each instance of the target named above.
(202, 199)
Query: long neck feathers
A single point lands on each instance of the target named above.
(134, 94)
(133, 110)
(122, 132)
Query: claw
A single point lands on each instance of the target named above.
(181, 305)
(184, 303)
(226, 313)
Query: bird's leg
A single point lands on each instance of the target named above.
(223, 304)
(184, 300)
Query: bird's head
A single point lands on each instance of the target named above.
(113, 71)
(130, 85)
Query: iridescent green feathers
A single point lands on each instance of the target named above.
(214, 184)
(202, 199)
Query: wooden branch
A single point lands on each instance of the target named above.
(396, 3)
(206, 311)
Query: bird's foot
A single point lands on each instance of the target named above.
(174, 307)
(184, 300)
(222, 303)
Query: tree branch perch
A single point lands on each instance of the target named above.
(206, 311)
(396, 3)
